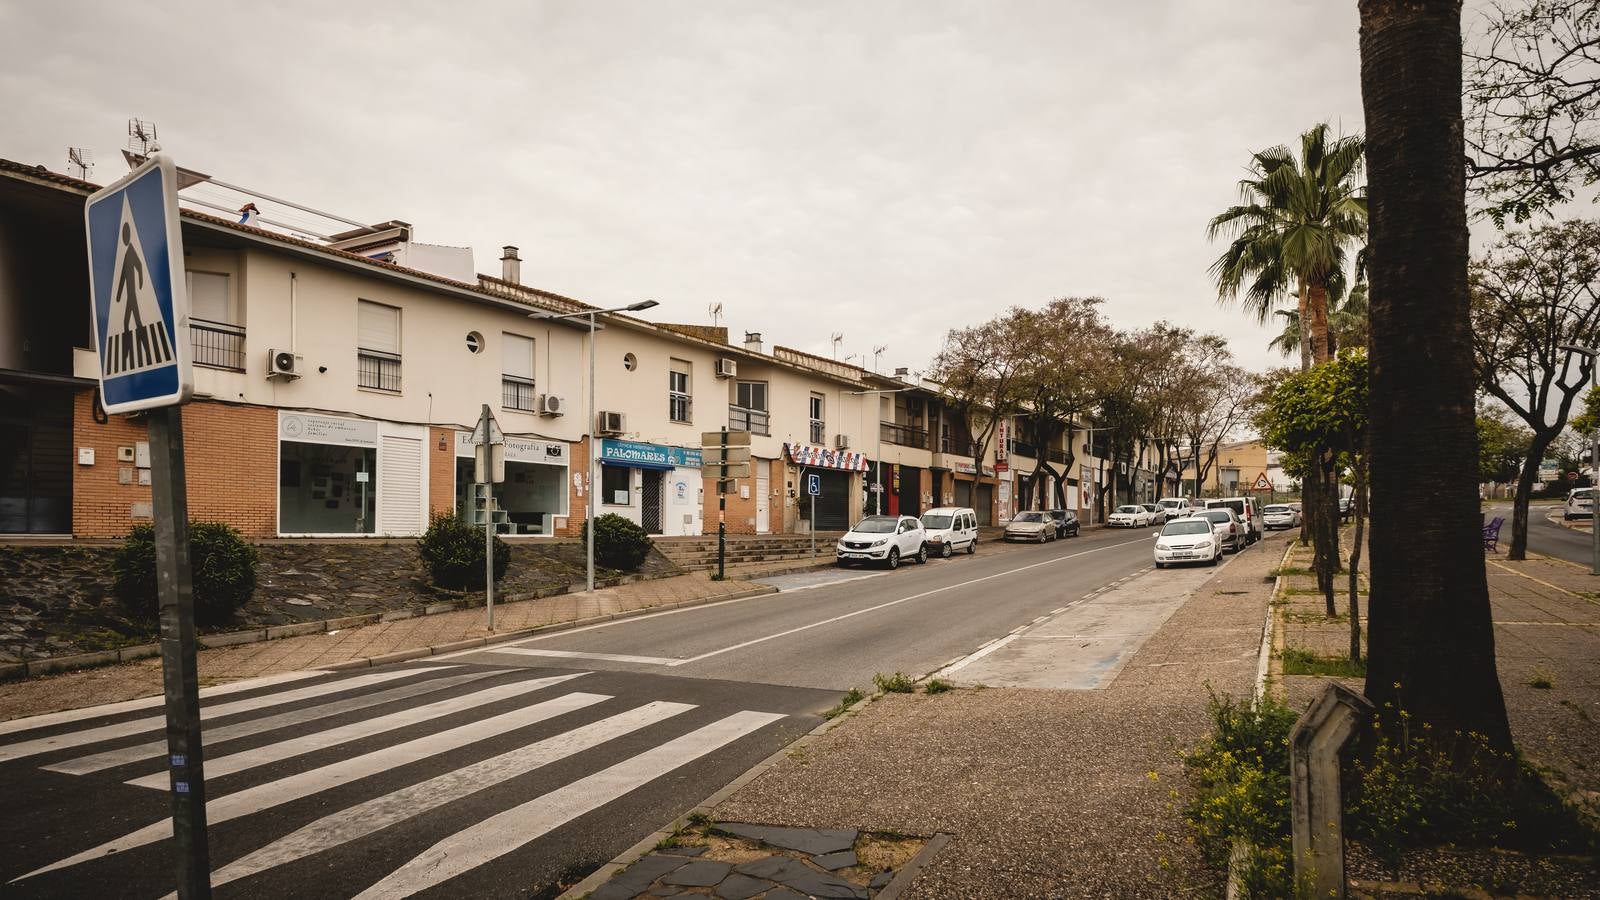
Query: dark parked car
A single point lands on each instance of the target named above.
(1066, 522)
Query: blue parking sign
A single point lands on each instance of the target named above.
(139, 299)
(814, 484)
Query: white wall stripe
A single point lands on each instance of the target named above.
(121, 756)
(159, 723)
(374, 815)
(111, 709)
(500, 834)
(304, 784)
(333, 737)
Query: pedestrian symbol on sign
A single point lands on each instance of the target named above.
(141, 342)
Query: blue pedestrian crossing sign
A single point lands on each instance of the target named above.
(814, 484)
(140, 302)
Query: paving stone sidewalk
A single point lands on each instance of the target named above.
(143, 678)
(1046, 793)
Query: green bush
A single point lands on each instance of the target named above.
(452, 553)
(618, 543)
(898, 683)
(1240, 776)
(222, 563)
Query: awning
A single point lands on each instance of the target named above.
(823, 458)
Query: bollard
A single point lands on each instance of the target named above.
(1317, 812)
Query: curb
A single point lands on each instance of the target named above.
(52, 664)
(367, 662)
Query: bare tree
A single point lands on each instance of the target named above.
(1534, 292)
(982, 367)
(1061, 381)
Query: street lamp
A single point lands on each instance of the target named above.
(1594, 460)
(590, 462)
(878, 463)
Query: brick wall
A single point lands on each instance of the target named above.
(441, 471)
(577, 501)
(230, 453)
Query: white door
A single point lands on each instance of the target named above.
(400, 487)
(763, 496)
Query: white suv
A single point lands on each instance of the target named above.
(885, 539)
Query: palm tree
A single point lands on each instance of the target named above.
(1347, 324)
(1297, 218)
(1430, 634)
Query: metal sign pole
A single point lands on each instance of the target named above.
(179, 674)
(722, 511)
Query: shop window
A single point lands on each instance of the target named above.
(326, 489)
(616, 486)
(532, 495)
(377, 346)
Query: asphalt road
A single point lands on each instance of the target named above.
(1547, 537)
(507, 772)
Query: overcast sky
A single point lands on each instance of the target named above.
(884, 169)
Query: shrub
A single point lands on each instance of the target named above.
(1240, 776)
(936, 686)
(898, 683)
(618, 543)
(452, 552)
(221, 562)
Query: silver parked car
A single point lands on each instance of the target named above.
(1280, 515)
(1031, 525)
(1227, 526)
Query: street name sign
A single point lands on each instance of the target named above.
(716, 456)
(138, 292)
(710, 439)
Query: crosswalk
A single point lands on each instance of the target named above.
(421, 757)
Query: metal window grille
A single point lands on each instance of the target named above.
(378, 371)
(754, 421)
(678, 407)
(904, 435)
(819, 431)
(518, 393)
(217, 345)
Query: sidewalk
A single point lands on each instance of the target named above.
(143, 678)
(1046, 792)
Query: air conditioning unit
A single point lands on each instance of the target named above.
(611, 422)
(282, 364)
(551, 405)
(841, 441)
(727, 368)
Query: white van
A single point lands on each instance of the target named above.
(1248, 510)
(1580, 504)
(1175, 507)
(950, 528)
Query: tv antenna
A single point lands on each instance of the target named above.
(715, 310)
(877, 352)
(837, 339)
(853, 356)
(82, 160)
(141, 135)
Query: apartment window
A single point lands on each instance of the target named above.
(616, 486)
(819, 427)
(377, 346)
(216, 330)
(749, 410)
(516, 380)
(678, 399)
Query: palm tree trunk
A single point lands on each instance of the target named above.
(1317, 329)
(1305, 337)
(1430, 639)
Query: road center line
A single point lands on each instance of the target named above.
(849, 615)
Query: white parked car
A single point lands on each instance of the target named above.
(1131, 515)
(950, 528)
(1032, 525)
(1580, 504)
(1280, 515)
(1176, 507)
(1229, 529)
(885, 539)
(1187, 540)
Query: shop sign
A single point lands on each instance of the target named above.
(655, 455)
(1002, 439)
(824, 458)
(966, 468)
(550, 453)
(306, 428)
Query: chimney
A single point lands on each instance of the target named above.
(902, 373)
(752, 341)
(510, 265)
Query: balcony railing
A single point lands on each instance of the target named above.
(217, 345)
(751, 420)
(517, 393)
(1023, 448)
(378, 371)
(904, 435)
(952, 444)
(1058, 456)
(819, 432)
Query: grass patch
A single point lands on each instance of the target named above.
(1290, 570)
(1304, 662)
(1542, 680)
(898, 683)
(698, 819)
(850, 698)
(1304, 618)
(936, 686)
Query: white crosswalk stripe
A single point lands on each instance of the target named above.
(374, 815)
(158, 723)
(83, 765)
(505, 832)
(285, 790)
(111, 709)
(332, 737)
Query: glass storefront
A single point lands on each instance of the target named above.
(327, 489)
(534, 493)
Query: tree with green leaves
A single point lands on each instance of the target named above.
(1534, 293)
(1502, 447)
(982, 368)
(1061, 381)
